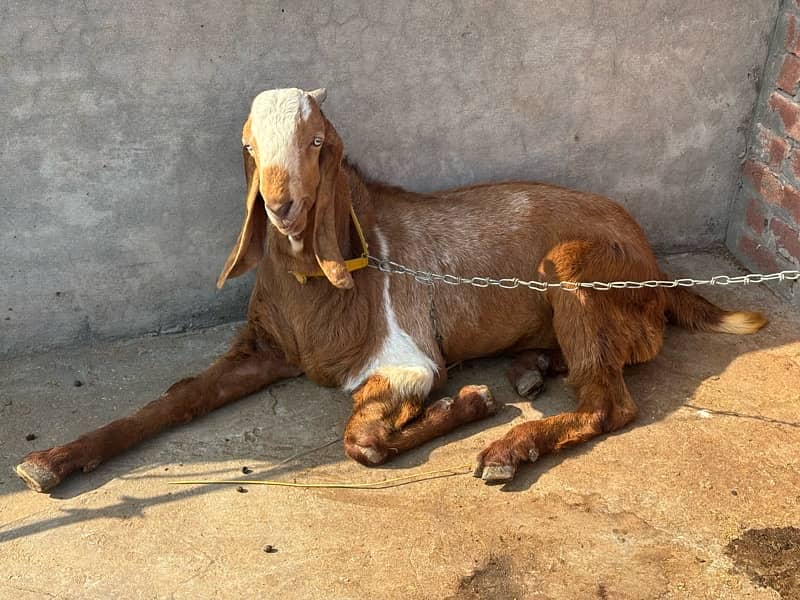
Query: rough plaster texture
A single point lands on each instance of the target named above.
(121, 188)
(644, 514)
(755, 209)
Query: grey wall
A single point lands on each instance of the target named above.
(121, 189)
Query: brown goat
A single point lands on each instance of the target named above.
(386, 338)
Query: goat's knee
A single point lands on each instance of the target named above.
(369, 451)
(365, 440)
(387, 401)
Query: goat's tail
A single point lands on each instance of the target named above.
(695, 313)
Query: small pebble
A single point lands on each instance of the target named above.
(270, 549)
(77, 383)
(734, 493)
(247, 470)
(241, 490)
(30, 437)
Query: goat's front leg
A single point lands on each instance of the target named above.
(388, 416)
(250, 364)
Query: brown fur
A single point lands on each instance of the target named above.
(332, 326)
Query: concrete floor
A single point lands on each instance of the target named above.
(673, 507)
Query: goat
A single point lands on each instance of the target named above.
(387, 340)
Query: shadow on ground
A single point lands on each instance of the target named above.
(714, 453)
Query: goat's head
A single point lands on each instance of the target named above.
(292, 156)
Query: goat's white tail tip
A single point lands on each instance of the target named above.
(741, 322)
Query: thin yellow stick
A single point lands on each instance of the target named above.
(304, 452)
(405, 479)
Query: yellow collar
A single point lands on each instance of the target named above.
(353, 264)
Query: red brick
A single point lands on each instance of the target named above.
(787, 239)
(794, 161)
(792, 35)
(789, 75)
(789, 112)
(759, 255)
(774, 148)
(791, 202)
(755, 216)
(765, 182)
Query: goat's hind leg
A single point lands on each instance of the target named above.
(388, 418)
(604, 405)
(598, 336)
(249, 365)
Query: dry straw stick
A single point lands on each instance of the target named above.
(375, 485)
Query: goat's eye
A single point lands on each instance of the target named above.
(317, 141)
(249, 148)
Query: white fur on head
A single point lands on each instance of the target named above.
(273, 121)
(274, 117)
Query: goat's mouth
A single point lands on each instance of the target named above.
(296, 230)
(294, 233)
(294, 227)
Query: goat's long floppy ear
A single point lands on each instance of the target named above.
(326, 243)
(249, 248)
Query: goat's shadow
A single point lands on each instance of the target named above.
(664, 385)
(297, 416)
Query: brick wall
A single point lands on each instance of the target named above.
(764, 226)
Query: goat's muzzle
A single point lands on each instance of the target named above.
(289, 218)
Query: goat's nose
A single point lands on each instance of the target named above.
(284, 209)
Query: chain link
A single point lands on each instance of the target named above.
(510, 283)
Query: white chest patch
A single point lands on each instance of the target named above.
(407, 368)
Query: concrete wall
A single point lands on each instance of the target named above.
(121, 186)
(764, 224)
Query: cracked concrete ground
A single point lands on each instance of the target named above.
(647, 513)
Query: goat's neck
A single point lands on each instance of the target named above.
(350, 191)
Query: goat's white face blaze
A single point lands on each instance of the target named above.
(280, 134)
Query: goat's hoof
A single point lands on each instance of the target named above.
(530, 384)
(498, 462)
(495, 473)
(483, 392)
(37, 477)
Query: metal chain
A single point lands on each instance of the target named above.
(510, 283)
